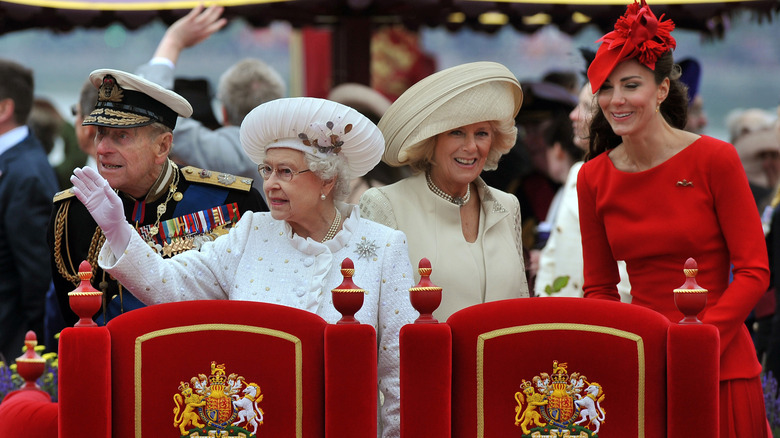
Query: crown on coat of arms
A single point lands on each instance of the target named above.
(559, 373)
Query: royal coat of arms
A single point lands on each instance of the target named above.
(559, 405)
(218, 405)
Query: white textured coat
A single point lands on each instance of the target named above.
(261, 259)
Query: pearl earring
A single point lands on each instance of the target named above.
(323, 197)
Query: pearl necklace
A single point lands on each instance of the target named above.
(457, 200)
(334, 227)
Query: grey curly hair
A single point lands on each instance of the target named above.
(331, 167)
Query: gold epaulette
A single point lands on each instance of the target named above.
(194, 174)
(65, 194)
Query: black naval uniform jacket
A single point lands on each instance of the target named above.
(74, 236)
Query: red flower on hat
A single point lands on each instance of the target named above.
(638, 34)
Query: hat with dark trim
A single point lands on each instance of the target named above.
(129, 101)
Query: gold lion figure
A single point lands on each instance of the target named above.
(529, 416)
(188, 416)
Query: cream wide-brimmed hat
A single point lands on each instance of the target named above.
(315, 126)
(458, 96)
(126, 100)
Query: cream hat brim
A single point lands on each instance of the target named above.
(458, 96)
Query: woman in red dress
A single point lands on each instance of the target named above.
(653, 195)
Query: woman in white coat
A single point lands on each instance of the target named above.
(307, 150)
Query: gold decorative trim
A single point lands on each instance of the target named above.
(123, 118)
(424, 289)
(690, 291)
(482, 338)
(63, 194)
(30, 360)
(348, 290)
(222, 327)
(60, 232)
(139, 6)
(196, 174)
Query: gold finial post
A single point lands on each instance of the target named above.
(690, 298)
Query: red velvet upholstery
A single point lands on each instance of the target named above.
(28, 412)
(84, 387)
(158, 354)
(658, 379)
(351, 376)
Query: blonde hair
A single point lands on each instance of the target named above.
(420, 156)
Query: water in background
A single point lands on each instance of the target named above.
(739, 71)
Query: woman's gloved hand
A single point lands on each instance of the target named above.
(104, 205)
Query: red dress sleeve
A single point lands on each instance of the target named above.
(600, 267)
(741, 227)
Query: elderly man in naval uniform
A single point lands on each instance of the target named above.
(174, 209)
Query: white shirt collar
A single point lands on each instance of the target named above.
(13, 137)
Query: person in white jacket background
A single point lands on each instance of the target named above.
(561, 257)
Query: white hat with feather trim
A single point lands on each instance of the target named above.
(315, 126)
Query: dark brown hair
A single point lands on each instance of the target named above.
(674, 108)
(16, 83)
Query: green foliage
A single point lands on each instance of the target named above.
(558, 284)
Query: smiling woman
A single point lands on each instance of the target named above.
(654, 195)
(449, 127)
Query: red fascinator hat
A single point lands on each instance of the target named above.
(638, 34)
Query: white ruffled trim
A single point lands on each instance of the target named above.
(321, 253)
(310, 246)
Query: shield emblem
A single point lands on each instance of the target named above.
(219, 410)
(560, 409)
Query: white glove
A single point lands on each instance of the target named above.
(105, 207)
